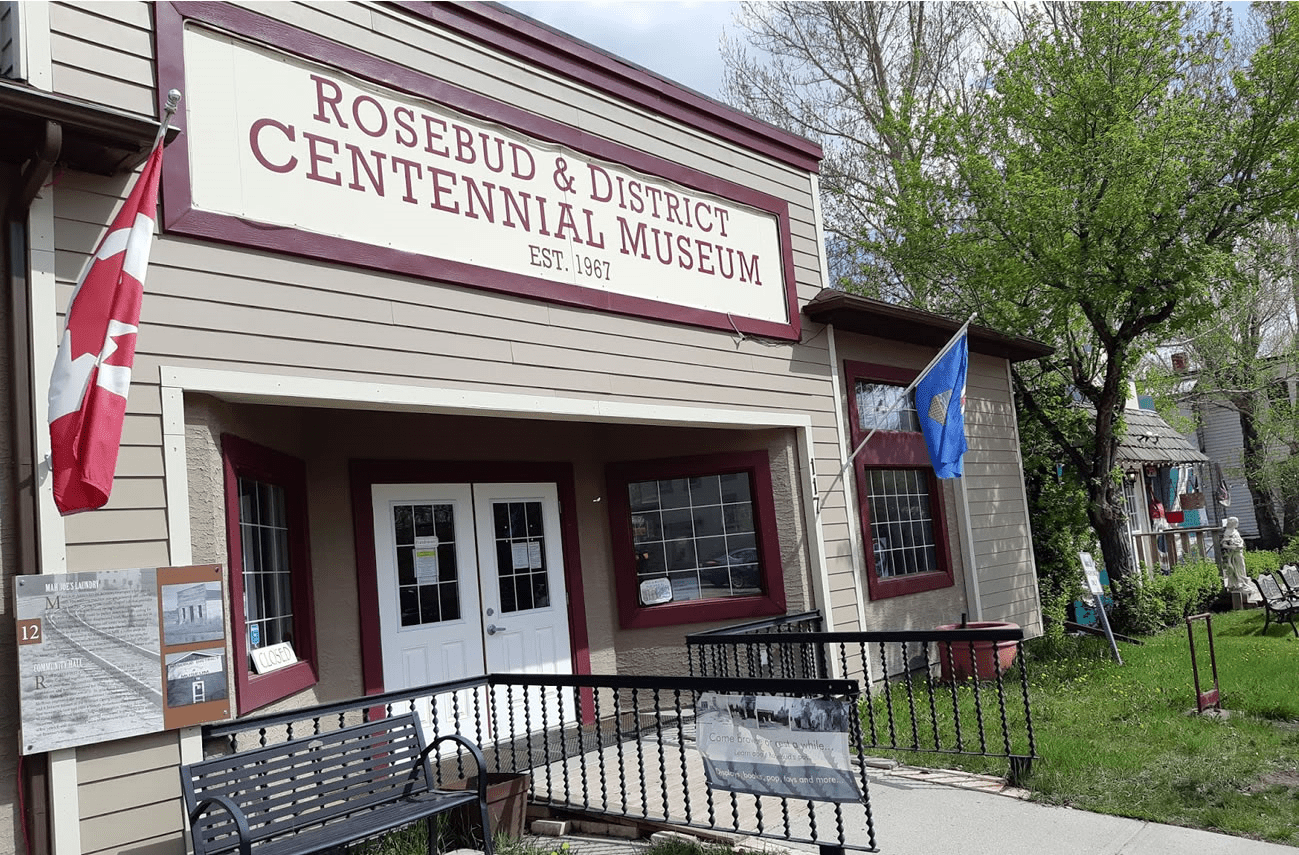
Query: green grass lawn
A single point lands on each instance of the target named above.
(1119, 739)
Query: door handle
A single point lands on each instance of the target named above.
(492, 629)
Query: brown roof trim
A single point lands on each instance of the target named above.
(96, 139)
(898, 323)
(513, 32)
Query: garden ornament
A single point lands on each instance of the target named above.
(1233, 547)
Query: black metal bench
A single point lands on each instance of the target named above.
(325, 791)
(1275, 602)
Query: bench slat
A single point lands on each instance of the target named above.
(264, 782)
(231, 768)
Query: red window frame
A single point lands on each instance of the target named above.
(631, 614)
(244, 459)
(890, 449)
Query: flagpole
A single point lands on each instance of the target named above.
(967, 534)
(168, 110)
(902, 400)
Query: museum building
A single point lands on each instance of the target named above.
(465, 347)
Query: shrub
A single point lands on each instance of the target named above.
(1189, 589)
(1261, 561)
(1290, 552)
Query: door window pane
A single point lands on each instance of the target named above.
(521, 572)
(424, 542)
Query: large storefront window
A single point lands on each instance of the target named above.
(694, 539)
(270, 571)
(901, 505)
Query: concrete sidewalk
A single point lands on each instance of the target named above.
(916, 815)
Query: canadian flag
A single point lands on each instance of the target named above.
(92, 372)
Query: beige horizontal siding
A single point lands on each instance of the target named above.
(9, 39)
(123, 27)
(99, 556)
(127, 790)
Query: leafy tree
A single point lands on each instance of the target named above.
(867, 81)
(1098, 184)
(1239, 359)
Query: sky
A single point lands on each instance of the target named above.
(675, 38)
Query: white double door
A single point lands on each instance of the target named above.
(471, 581)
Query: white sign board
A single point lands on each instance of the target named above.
(273, 657)
(1090, 571)
(282, 140)
(426, 560)
(655, 591)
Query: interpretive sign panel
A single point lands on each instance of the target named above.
(115, 653)
(774, 746)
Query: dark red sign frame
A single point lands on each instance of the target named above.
(181, 217)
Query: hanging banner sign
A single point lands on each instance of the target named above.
(773, 746)
(280, 140)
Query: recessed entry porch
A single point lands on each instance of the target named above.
(429, 541)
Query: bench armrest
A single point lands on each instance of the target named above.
(472, 748)
(241, 822)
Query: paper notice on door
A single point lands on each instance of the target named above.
(426, 560)
(519, 553)
(534, 555)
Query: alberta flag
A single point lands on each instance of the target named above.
(92, 372)
(940, 404)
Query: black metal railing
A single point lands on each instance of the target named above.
(953, 692)
(612, 745)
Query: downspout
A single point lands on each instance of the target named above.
(33, 781)
(34, 177)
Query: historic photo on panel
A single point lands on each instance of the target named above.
(192, 612)
(196, 677)
(89, 660)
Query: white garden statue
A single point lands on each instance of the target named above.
(1233, 548)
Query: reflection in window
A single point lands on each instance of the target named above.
(882, 406)
(901, 522)
(698, 533)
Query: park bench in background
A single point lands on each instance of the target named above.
(325, 790)
(1290, 576)
(1275, 602)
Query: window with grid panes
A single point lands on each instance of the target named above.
(901, 505)
(270, 569)
(695, 539)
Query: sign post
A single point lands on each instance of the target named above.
(1094, 586)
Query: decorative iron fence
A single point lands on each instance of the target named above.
(613, 745)
(923, 691)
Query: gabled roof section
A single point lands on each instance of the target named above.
(1151, 441)
(898, 323)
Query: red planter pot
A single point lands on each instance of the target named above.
(988, 655)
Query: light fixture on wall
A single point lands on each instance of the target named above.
(1132, 476)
